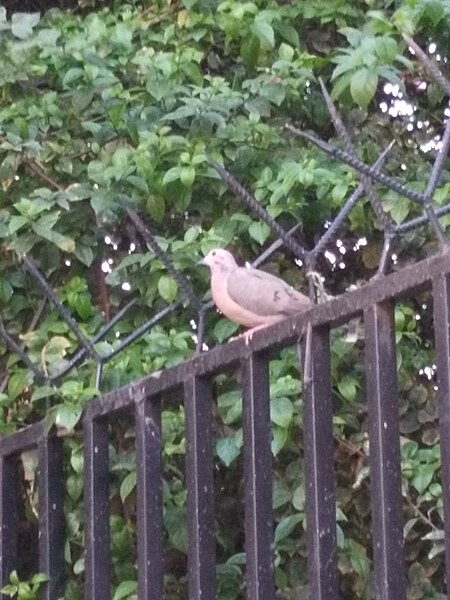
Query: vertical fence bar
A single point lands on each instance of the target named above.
(8, 517)
(200, 489)
(319, 466)
(96, 502)
(384, 439)
(441, 303)
(150, 529)
(51, 517)
(258, 480)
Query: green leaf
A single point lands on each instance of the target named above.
(264, 32)
(287, 526)
(422, 477)
(281, 411)
(22, 24)
(171, 175)
(138, 182)
(81, 99)
(340, 537)
(6, 291)
(259, 231)
(281, 494)
(168, 288)
(43, 391)
(298, 498)
(363, 85)
(61, 241)
(156, 207)
(73, 75)
(16, 222)
(84, 254)
(274, 92)
(230, 406)
(67, 415)
(125, 589)
(187, 176)
(286, 52)
(191, 234)
(227, 450)
(181, 113)
(127, 485)
(358, 559)
(39, 578)
(279, 439)
(250, 50)
(289, 33)
(224, 329)
(386, 49)
(18, 383)
(48, 37)
(347, 388)
(400, 209)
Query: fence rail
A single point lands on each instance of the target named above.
(193, 379)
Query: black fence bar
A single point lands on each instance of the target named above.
(384, 459)
(8, 517)
(258, 480)
(319, 461)
(25, 439)
(200, 489)
(51, 517)
(96, 502)
(150, 528)
(441, 304)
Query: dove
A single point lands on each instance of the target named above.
(251, 297)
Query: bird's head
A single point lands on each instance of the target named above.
(219, 260)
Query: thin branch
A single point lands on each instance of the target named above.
(36, 169)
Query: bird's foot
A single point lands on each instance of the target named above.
(249, 334)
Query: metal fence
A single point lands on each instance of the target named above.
(193, 379)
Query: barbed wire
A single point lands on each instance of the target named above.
(369, 174)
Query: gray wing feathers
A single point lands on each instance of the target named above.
(264, 294)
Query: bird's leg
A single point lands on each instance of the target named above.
(249, 333)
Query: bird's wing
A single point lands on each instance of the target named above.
(264, 294)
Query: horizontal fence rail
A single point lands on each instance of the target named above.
(193, 381)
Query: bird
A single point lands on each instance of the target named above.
(251, 297)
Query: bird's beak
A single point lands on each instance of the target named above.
(203, 261)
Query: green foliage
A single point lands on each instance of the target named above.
(24, 590)
(120, 108)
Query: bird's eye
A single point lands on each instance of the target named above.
(213, 253)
